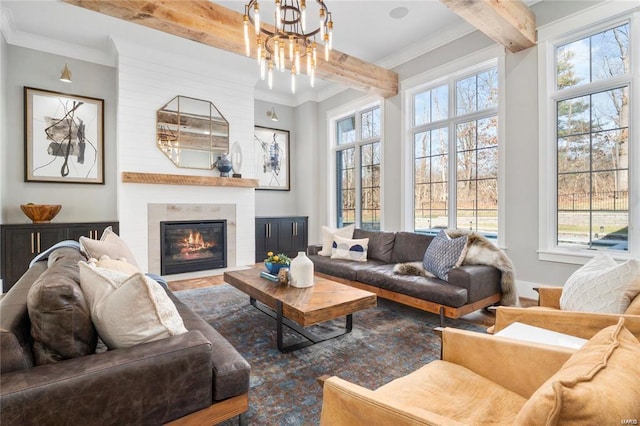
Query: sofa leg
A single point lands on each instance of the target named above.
(441, 317)
(242, 419)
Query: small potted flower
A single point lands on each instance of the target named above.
(274, 262)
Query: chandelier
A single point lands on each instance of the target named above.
(289, 41)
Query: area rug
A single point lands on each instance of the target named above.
(387, 342)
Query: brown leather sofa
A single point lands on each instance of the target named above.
(193, 378)
(470, 287)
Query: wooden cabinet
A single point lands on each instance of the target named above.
(287, 235)
(21, 243)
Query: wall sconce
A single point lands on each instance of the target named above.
(272, 114)
(66, 74)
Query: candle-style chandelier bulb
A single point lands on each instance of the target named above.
(290, 24)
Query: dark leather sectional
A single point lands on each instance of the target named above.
(198, 374)
(470, 287)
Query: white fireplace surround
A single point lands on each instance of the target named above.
(178, 212)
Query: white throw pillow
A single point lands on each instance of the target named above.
(347, 249)
(128, 309)
(327, 237)
(109, 244)
(602, 285)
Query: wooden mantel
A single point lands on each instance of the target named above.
(165, 179)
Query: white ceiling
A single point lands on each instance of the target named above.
(361, 29)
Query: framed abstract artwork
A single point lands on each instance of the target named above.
(64, 137)
(272, 158)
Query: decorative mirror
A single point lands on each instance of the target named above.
(192, 132)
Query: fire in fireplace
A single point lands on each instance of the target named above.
(196, 245)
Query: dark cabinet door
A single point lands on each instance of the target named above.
(286, 235)
(92, 230)
(267, 231)
(21, 244)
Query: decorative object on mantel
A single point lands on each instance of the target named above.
(192, 133)
(291, 35)
(63, 137)
(224, 165)
(272, 158)
(301, 271)
(236, 159)
(41, 213)
(167, 179)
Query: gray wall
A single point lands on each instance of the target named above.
(278, 203)
(3, 117)
(80, 202)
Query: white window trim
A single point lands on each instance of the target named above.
(333, 116)
(485, 58)
(549, 36)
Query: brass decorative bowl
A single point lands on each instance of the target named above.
(41, 213)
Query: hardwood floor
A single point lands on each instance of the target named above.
(480, 317)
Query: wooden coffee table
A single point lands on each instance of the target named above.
(297, 308)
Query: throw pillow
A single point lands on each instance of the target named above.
(602, 285)
(327, 237)
(443, 254)
(61, 326)
(598, 383)
(347, 249)
(128, 309)
(109, 244)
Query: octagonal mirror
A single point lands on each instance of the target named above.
(192, 132)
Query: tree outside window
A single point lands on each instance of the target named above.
(592, 139)
(358, 162)
(459, 134)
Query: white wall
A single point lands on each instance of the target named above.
(148, 79)
(80, 202)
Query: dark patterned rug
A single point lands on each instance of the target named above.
(387, 342)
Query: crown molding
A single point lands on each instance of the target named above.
(422, 47)
(19, 38)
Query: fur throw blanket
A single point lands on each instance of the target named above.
(480, 251)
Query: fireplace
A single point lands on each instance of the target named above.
(194, 245)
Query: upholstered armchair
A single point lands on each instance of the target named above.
(485, 379)
(549, 315)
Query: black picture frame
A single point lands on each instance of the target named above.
(272, 158)
(64, 137)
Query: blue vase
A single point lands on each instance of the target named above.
(274, 268)
(224, 166)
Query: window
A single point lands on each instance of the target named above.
(592, 140)
(589, 146)
(358, 163)
(455, 153)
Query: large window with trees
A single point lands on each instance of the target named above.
(455, 152)
(592, 103)
(358, 161)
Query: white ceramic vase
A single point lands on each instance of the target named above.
(301, 271)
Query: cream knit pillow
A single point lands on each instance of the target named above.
(128, 309)
(602, 285)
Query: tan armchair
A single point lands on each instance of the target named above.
(488, 379)
(549, 315)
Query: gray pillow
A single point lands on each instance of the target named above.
(444, 254)
(380, 243)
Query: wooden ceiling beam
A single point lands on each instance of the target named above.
(217, 26)
(509, 22)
